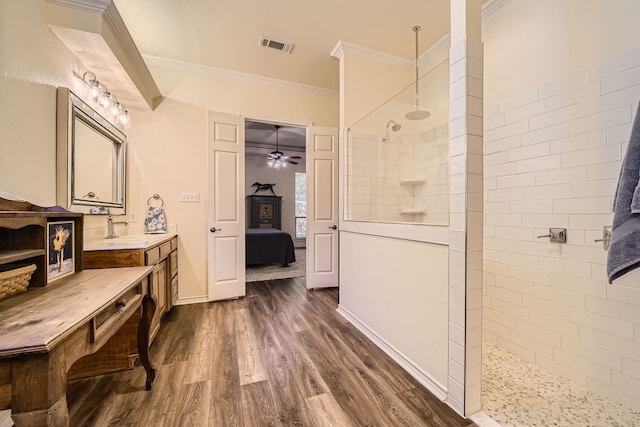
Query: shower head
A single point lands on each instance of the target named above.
(395, 127)
(417, 114)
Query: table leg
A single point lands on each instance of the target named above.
(38, 391)
(148, 309)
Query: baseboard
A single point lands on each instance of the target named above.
(422, 377)
(191, 300)
(483, 420)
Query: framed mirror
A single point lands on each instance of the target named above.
(91, 159)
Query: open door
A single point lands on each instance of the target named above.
(322, 207)
(225, 207)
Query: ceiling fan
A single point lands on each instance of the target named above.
(277, 159)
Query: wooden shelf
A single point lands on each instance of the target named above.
(19, 255)
(417, 181)
(23, 236)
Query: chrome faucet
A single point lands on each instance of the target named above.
(111, 230)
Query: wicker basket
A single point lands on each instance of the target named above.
(15, 280)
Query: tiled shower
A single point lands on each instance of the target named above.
(552, 157)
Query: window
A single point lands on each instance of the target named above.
(301, 205)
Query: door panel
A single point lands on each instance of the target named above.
(225, 210)
(322, 207)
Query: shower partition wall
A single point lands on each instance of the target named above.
(397, 170)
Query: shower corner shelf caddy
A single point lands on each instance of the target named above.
(413, 211)
(415, 181)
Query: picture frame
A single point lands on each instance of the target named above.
(60, 250)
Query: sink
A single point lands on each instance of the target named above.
(139, 241)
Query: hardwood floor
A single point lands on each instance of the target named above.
(282, 355)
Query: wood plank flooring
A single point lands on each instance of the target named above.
(281, 356)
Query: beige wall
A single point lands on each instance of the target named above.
(28, 99)
(167, 147)
(249, 98)
(204, 92)
(167, 156)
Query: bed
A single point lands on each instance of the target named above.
(269, 245)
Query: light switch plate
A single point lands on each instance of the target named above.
(190, 197)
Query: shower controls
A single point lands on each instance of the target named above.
(556, 235)
(606, 237)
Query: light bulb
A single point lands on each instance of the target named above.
(116, 108)
(105, 99)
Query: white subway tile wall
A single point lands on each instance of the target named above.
(552, 159)
(388, 180)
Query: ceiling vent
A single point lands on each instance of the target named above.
(284, 47)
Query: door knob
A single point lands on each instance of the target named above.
(213, 229)
(333, 227)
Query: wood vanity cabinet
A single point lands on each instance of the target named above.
(122, 352)
(164, 279)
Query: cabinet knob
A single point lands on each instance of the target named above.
(120, 304)
(213, 229)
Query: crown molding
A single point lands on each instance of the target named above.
(115, 34)
(93, 6)
(129, 56)
(491, 6)
(235, 75)
(341, 48)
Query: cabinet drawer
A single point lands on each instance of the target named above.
(174, 243)
(151, 256)
(111, 317)
(173, 263)
(165, 248)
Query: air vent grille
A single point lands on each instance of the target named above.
(283, 47)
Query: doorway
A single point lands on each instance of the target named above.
(275, 171)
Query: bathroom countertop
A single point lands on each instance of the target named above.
(134, 241)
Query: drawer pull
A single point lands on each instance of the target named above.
(120, 304)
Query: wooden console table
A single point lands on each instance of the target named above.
(45, 330)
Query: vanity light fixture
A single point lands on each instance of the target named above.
(123, 118)
(94, 85)
(105, 99)
(116, 107)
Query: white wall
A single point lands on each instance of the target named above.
(393, 281)
(555, 135)
(397, 289)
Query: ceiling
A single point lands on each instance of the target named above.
(225, 34)
(260, 139)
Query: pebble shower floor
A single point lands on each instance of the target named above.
(518, 393)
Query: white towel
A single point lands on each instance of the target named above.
(155, 222)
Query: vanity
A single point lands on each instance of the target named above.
(64, 314)
(159, 251)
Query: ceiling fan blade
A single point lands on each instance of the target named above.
(292, 162)
(295, 157)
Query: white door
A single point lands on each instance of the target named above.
(322, 207)
(225, 207)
